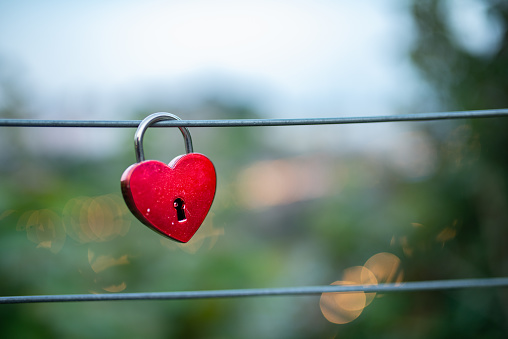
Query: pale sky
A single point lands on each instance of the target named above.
(331, 57)
(291, 59)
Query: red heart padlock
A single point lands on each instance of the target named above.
(173, 199)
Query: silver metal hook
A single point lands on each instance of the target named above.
(150, 120)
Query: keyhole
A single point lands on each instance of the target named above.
(180, 209)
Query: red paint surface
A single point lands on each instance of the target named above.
(151, 187)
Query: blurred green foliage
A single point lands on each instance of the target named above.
(279, 219)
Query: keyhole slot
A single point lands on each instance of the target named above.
(179, 205)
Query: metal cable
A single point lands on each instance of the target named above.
(284, 291)
(492, 113)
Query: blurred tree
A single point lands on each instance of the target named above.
(473, 177)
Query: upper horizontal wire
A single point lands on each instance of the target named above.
(294, 291)
(491, 113)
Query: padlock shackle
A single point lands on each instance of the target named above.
(150, 120)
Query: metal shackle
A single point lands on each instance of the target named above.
(150, 120)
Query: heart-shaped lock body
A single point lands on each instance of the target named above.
(171, 199)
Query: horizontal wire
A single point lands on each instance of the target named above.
(492, 113)
(284, 291)
(311, 290)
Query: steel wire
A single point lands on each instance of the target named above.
(492, 113)
(285, 291)
(260, 292)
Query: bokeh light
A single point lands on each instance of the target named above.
(44, 228)
(96, 219)
(361, 275)
(447, 234)
(100, 263)
(386, 267)
(344, 307)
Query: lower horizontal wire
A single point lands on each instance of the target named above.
(284, 291)
(489, 113)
